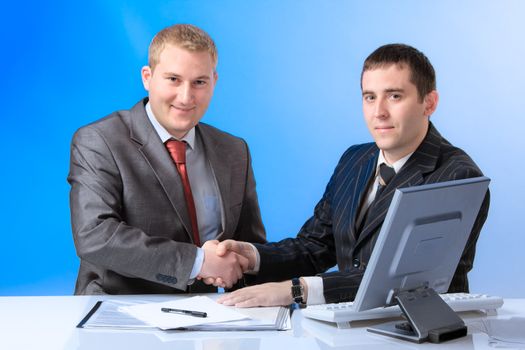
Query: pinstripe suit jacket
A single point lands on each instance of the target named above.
(330, 235)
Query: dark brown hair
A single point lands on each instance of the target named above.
(422, 74)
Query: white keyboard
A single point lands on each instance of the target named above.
(343, 313)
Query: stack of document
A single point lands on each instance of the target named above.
(143, 315)
(256, 319)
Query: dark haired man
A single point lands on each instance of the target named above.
(399, 95)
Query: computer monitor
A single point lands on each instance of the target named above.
(421, 240)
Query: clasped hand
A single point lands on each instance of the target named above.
(225, 262)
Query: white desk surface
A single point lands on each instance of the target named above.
(49, 323)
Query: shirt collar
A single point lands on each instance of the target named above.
(397, 165)
(164, 134)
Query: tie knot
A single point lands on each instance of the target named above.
(386, 173)
(177, 150)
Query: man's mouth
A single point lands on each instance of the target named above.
(183, 109)
(384, 128)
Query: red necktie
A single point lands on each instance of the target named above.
(177, 151)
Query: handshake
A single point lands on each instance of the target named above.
(225, 262)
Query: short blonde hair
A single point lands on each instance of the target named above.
(185, 36)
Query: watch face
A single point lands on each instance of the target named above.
(297, 291)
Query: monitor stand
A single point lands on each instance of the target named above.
(428, 318)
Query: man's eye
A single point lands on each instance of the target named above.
(369, 98)
(200, 82)
(173, 79)
(395, 96)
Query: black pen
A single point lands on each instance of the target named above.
(184, 312)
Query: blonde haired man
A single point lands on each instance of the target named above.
(140, 204)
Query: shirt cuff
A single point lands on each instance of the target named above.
(315, 290)
(197, 265)
(257, 261)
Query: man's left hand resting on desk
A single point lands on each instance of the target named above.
(266, 294)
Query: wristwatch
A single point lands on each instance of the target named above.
(297, 291)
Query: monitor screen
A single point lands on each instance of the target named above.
(422, 239)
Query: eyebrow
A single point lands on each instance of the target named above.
(395, 90)
(390, 90)
(171, 74)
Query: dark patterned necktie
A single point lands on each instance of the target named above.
(177, 150)
(386, 174)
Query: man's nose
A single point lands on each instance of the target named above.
(185, 94)
(380, 110)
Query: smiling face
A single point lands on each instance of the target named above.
(397, 118)
(180, 88)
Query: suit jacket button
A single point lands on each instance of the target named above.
(356, 263)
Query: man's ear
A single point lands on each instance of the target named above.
(431, 101)
(146, 74)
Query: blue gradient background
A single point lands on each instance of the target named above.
(288, 83)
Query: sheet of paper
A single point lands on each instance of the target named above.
(151, 313)
(109, 315)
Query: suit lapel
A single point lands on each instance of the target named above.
(412, 174)
(219, 161)
(160, 162)
(366, 173)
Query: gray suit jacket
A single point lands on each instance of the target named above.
(130, 224)
(330, 236)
